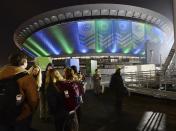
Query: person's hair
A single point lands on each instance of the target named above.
(39, 75)
(17, 59)
(74, 68)
(53, 76)
(49, 64)
(68, 73)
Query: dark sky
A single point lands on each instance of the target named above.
(15, 12)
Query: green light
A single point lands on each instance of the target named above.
(31, 49)
(101, 26)
(128, 47)
(143, 53)
(97, 47)
(59, 36)
(36, 46)
(126, 50)
(99, 50)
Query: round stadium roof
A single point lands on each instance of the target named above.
(91, 15)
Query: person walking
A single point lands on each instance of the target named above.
(97, 82)
(117, 87)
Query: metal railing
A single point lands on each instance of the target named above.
(154, 83)
(154, 79)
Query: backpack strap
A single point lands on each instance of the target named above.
(20, 75)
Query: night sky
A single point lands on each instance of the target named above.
(15, 12)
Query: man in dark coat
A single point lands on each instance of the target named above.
(117, 86)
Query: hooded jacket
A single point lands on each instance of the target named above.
(27, 87)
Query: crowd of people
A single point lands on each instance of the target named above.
(57, 95)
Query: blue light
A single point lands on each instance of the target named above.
(113, 51)
(86, 36)
(137, 51)
(114, 48)
(44, 38)
(85, 26)
(140, 48)
(28, 52)
(159, 38)
(84, 51)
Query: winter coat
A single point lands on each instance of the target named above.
(116, 84)
(28, 89)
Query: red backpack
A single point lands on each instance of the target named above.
(73, 91)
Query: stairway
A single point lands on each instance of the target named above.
(168, 59)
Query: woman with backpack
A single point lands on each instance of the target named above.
(72, 91)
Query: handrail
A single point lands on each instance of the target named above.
(150, 79)
(143, 83)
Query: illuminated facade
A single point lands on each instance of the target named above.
(94, 36)
(104, 29)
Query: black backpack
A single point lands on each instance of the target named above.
(9, 110)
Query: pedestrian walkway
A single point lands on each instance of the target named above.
(140, 113)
